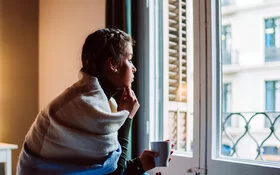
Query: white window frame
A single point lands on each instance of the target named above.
(215, 165)
(207, 98)
(180, 163)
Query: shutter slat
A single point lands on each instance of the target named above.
(177, 49)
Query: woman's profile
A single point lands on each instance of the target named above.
(85, 129)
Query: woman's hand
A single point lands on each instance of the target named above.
(147, 159)
(129, 102)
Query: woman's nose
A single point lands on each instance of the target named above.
(134, 69)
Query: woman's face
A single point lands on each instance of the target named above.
(126, 68)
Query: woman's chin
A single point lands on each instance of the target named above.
(128, 86)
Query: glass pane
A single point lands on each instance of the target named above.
(250, 79)
(178, 77)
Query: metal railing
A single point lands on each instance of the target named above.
(252, 125)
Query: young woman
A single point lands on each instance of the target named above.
(85, 129)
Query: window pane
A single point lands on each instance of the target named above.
(250, 111)
(226, 44)
(272, 39)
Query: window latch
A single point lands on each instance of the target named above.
(197, 171)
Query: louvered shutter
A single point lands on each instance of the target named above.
(177, 74)
(177, 51)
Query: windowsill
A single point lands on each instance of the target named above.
(272, 164)
(183, 154)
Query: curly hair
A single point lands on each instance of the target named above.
(101, 45)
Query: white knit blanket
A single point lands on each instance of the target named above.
(79, 123)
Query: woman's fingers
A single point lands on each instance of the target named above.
(150, 153)
(172, 144)
(128, 102)
(126, 96)
(130, 94)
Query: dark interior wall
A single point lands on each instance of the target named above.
(1, 168)
(18, 70)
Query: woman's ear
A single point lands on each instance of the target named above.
(113, 66)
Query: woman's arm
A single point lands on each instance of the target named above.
(133, 166)
(123, 137)
(129, 102)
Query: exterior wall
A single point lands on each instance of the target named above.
(248, 40)
(248, 76)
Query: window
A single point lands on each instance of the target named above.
(227, 2)
(189, 87)
(272, 39)
(271, 152)
(172, 93)
(272, 89)
(226, 44)
(229, 55)
(227, 103)
(272, 101)
(243, 144)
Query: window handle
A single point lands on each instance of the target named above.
(197, 171)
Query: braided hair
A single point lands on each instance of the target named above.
(101, 45)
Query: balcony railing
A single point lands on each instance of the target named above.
(252, 135)
(272, 54)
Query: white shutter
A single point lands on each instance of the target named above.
(177, 50)
(177, 74)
